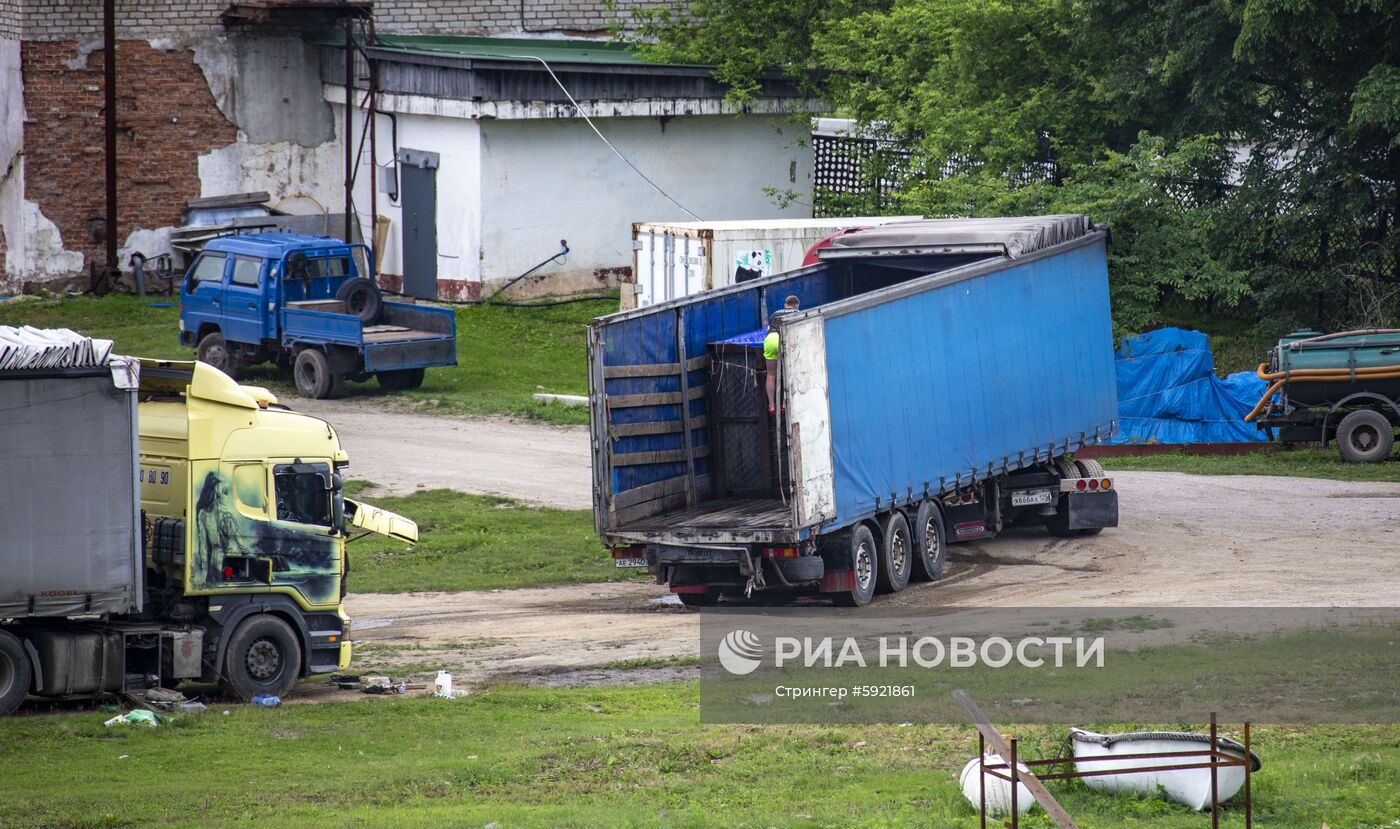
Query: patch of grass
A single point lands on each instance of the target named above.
(504, 355)
(600, 757)
(480, 542)
(1300, 463)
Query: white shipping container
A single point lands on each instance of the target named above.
(677, 259)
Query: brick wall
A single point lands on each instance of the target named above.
(145, 19)
(499, 16)
(10, 23)
(167, 119)
(184, 20)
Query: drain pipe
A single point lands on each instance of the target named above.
(109, 94)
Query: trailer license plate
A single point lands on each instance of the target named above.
(1030, 497)
(631, 562)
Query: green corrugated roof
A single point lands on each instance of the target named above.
(601, 53)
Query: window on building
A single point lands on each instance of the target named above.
(303, 493)
(246, 270)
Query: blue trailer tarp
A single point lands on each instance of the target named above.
(1168, 392)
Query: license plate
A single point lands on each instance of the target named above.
(631, 562)
(1030, 497)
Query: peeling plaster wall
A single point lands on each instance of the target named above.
(213, 116)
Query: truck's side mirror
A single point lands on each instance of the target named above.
(338, 504)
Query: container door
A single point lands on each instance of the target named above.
(418, 188)
(243, 310)
(204, 292)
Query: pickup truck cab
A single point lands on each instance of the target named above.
(310, 304)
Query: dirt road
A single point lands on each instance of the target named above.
(1184, 541)
(402, 451)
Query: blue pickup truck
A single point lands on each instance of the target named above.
(311, 305)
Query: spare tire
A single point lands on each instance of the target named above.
(362, 299)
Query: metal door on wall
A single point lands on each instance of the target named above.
(418, 196)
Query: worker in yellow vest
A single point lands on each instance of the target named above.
(770, 352)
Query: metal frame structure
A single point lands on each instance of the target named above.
(1007, 770)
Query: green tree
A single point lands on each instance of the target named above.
(1245, 153)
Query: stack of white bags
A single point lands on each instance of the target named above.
(27, 347)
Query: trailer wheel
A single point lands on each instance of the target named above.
(896, 553)
(929, 546)
(858, 548)
(401, 380)
(263, 657)
(215, 351)
(313, 376)
(362, 299)
(15, 673)
(1365, 436)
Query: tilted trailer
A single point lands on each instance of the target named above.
(932, 388)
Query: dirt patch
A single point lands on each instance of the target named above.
(403, 452)
(1185, 540)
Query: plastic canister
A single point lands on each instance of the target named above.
(443, 686)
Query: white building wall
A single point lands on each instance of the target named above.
(457, 141)
(547, 180)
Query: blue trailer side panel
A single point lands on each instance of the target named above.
(957, 378)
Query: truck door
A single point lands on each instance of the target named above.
(204, 292)
(243, 307)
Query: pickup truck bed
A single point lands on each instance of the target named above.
(405, 336)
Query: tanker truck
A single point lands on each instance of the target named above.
(161, 523)
(1343, 386)
(931, 388)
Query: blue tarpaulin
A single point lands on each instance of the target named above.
(1168, 392)
(753, 339)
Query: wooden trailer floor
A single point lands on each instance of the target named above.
(735, 514)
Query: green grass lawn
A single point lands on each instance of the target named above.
(511, 756)
(504, 355)
(1302, 463)
(479, 542)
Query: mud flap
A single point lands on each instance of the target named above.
(1090, 510)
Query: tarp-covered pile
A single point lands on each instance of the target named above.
(1168, 392)
(27, 347)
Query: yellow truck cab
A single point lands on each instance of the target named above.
(229, 566)
(248, 523)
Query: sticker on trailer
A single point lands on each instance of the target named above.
(153, 476)
(1030, 497)
(970, 528)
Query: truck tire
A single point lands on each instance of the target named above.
(858, 548)
(362, 299)
(313, 376)
(896, 553)
(401, 380)
(1365, 436)
(930, 547)
(263, 657)
(215, 351)
(16, 673)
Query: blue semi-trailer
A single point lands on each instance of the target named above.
(932, 388)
